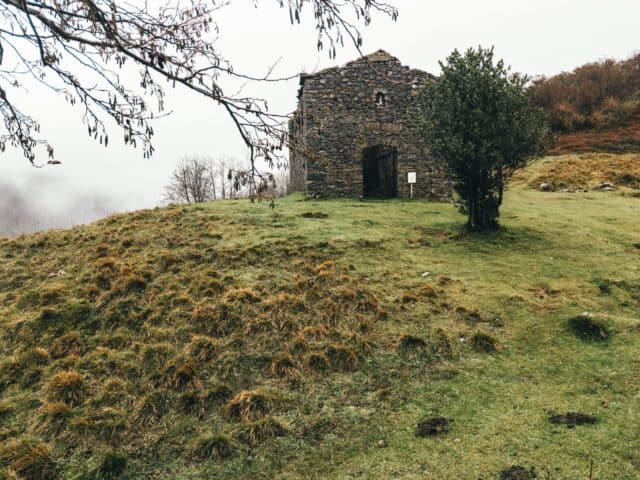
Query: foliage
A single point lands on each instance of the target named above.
(479, 122)
(598, 95)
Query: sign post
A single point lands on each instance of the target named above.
(411, 179)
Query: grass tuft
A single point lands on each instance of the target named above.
(29, 458)
(255, 432)
(284, 366)
(202, 348)
(249, 405)
(342, 358)
(212, 446)
(69, 387)
(152, 407)
(52, 418)
(317, 361)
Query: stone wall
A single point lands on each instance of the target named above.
(339, 116)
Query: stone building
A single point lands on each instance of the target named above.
(355, 133)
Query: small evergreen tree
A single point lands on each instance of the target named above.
(480, 123)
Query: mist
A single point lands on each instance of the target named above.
(40, 201)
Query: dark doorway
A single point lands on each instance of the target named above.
(379, 172)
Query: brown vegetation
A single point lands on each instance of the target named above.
(597, 95)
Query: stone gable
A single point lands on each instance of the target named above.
(355, 133)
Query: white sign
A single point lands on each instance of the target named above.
(411, 177)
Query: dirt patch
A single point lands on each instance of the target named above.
(572, 419)
(485, 343)
(589, 329)
(516, 472)
(314, 215)
(431, 427)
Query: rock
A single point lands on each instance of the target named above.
(606, 186)
(545, 187)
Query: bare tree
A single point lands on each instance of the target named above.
(191, 181)
(282, 183)
(77, 48)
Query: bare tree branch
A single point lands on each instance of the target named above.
(77, 48)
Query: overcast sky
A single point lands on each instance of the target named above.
(541, 37)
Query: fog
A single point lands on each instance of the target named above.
(543, 37)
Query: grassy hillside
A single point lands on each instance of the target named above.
(234, 341)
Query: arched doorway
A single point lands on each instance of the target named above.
(379, 171)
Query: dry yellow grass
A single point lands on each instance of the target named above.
(586, 171)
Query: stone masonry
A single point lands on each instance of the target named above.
(368, 105)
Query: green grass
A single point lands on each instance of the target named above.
(280, 340)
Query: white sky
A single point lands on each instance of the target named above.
(535, 37)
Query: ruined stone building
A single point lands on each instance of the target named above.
(355, 133)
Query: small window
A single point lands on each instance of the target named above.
(380, 99)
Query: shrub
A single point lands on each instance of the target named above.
(588, 328)
(599, 94)
(249, 405)
(69, 387)
(30, 458)
(215, 446)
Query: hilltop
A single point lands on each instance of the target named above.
(230, 340)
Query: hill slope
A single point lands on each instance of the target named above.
(232, 341)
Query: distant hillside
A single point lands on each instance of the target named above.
(596, 107)
(325, 339)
